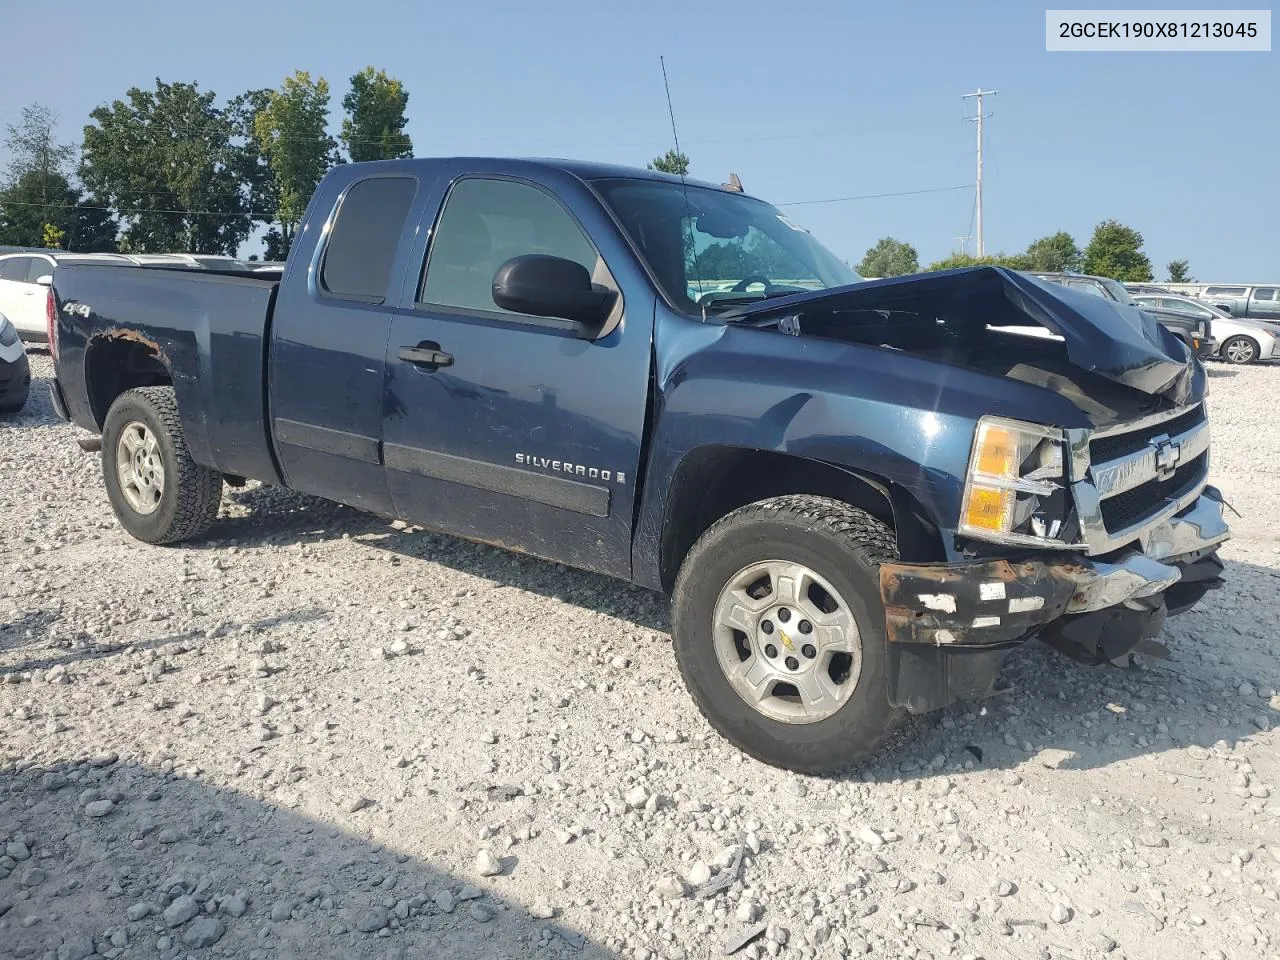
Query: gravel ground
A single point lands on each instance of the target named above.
(318, 734)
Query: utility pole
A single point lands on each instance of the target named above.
(964, 243)
(978, 119)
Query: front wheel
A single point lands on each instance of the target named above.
(158, 493)
(779, 632)
(1240, 349)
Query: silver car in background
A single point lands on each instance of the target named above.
(1257, 302)
(1239, 341)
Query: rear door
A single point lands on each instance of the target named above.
(18, 300)
(524, 435)
(329, 340)
(1264, 303)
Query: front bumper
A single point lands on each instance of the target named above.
(1092, 608)
(1205, 347)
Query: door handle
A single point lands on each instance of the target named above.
(426, 355)
(29, 293)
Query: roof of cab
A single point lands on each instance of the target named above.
(586, 170)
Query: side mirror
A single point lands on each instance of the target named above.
(545, 286)
(45, 280)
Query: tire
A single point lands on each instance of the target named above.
(185, 502)
(842, 547)
(1239, 349)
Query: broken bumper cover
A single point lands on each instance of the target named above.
(950, 625)
(1000, 602)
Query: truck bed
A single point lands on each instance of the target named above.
(188, 322)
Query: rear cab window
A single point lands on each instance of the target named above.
(364, 238)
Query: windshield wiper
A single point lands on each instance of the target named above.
(728, 302)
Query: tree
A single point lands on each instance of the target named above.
(670, 162)
(249, 162)
(957, 261)
(165, 162)
(1054, 254)
(1180, 271)
(1116, 252)
(32, 145)
(373, 128)
(38, 201)
(889, 258)
(291, 130)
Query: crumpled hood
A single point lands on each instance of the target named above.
(1107, 338)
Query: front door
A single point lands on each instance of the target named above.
(1264, 303)
(507, 428)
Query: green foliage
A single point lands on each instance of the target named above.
(889, 258)
(1116, 251)
(290, 130)
(1056, 253)
(1016, 261)
(52, 237)
(670, 162)
(1179, 271)
(249, 161)
(32, 145)
(373, 128)
(164, 160)
(38, 200)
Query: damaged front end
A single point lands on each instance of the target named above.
(950, 624)
(1086, 536)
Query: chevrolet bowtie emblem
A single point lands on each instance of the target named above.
(1168, 454)
(786, 641)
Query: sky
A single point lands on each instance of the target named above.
(808, 100)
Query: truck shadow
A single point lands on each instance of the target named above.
(1213, 692)
(1088, 716)
(264, 514)
(265, 881)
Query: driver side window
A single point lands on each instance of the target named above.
(487, 222)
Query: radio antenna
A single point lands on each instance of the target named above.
(671, 111)
(691, 258)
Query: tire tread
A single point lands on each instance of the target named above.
(198, 488)
(861, 533)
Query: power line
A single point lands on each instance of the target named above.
(875, 196)
(261, 215)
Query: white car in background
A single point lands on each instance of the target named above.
(1239, 341)
(25, 279)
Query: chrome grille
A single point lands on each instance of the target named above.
(1138, 474)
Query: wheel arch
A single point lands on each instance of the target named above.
(712, 481)
(120, 361)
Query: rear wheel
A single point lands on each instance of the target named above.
(1240, 349)
(779, 632)
(158, 493)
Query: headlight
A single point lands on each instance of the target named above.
(8, 333)
(1015, 490)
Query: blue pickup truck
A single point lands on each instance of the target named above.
(860, 496)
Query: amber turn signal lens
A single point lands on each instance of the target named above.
(998, 452)
(989, 508)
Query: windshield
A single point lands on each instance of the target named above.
(718, 246)
(1118, 291)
